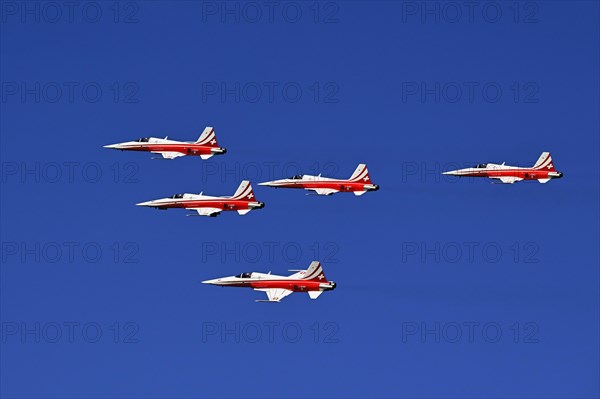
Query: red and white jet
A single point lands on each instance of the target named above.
(311, 280)
(206, 146)
(543, 171)
(242, 201)
(359, 183)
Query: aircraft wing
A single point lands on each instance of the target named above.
(508, 179)
(324, 191)
(169, 154)
(207, 211)
(275, 294)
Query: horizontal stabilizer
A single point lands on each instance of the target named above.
(543, 180)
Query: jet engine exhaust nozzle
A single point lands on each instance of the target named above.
(257, 205)
(218, 150)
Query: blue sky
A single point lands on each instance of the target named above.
(446, 287)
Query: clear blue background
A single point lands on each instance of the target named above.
(368, 53)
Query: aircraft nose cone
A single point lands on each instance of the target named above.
(147, 203)
(451, 173)
(213, 281)
(113, 146)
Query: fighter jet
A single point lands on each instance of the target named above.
(242, 201)
(311, 280)
(359, 183)
(206, 146)
(543, 171)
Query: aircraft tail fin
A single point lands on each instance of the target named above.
(244, 191)
(361, 174)
(544, 162)
(314, 272)
(208, 137)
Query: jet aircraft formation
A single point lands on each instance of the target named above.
(243, 201)
(311, 280)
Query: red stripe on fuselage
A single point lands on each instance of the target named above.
(226, 205)
(292, 285)
(341, 185)
(525, 174)
(188, 149)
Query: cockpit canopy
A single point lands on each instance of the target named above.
(144, 140)
(297, 177)
(481, 166)
(176, 196)
(245, 275)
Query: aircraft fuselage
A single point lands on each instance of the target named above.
(181, 147)
(220, 203)
(279, 282)
(504, 171)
